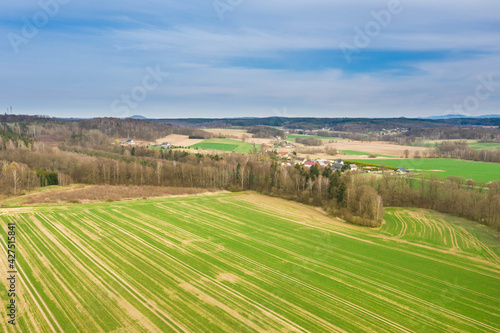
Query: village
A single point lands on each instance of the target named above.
(290, 158)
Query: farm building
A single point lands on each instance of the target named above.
(166, 145)
(309, 164)
(401, 171)
(323, 162)
(283, 154)
(337, 166)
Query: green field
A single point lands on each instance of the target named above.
(246, 262)
(484, 145)
(474, 144)
(292, 137)
(355, 152)
(226, 145)
(440, 231)
(443, 167)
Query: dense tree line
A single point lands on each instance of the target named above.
(460, 149)
(180, 169)
(358, 198)
(308, 141)
(351, 125)
(450, 197)
(453, 133)
(90, 131)
(8, 137)
(266, 132)
(16, 178)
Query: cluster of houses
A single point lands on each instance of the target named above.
(334, 164)
(131, 142)
(307, 163)
(393, 131)
(280, 144)
(288, 159)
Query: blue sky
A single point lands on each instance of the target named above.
(263, 58)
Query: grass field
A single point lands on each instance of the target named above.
(440, 231)
(443, 167)
(474, 144)
(245, 262)
(226, 145)
(292, 137)
(355, 152)
(484, 145)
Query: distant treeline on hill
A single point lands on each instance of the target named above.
(89, 131)
(266, 132)
(339, 124)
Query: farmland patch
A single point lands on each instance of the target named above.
(247, 262)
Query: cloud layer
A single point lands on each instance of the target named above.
(309, 58)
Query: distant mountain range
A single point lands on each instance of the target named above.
(139, 117)
(452, 116)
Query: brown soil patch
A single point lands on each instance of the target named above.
(179, 140)
(375, 147)
(101, 193)
(238, 134)
(230, 133)
(261, 141)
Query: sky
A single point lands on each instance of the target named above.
(250, 58)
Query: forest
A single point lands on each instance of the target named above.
(354, 125)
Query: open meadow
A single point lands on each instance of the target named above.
(444, 167)
(474, 144)
(484, 145)
(246, 262)
(226, 145)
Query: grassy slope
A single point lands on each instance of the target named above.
(479, 171)
(225, 145)
(441, 231)
(243, 262)
(484, 145)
